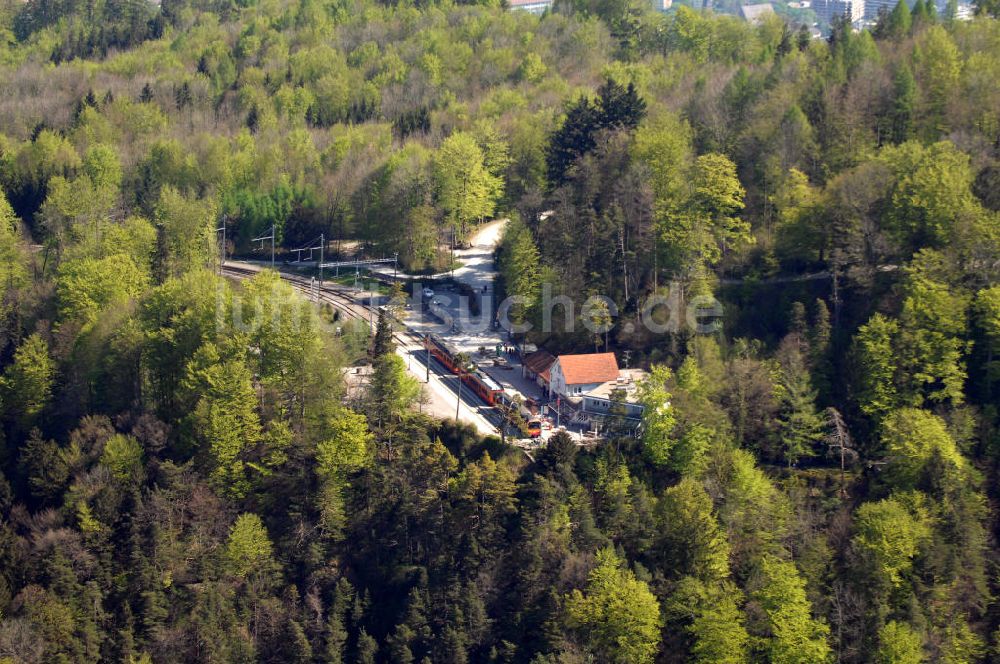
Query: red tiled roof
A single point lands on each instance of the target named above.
(590, 368)
(538, 362)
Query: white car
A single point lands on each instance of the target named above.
(428, 293)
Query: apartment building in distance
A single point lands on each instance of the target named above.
(855, 10)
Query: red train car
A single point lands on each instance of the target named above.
(487, 388)
(445, 354)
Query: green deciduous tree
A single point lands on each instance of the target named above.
(930, 347)
(719, 195)
(793, 635)
(797, 203)
(85, 287)
(692, 543)
(465, 189)
(283, 336)
(658, 418)
(932, 193)
(719, 636)
(910, 438)
(13, 266)
(938, 68)
(188, 227)
(889, 534)
(705, 226)
(226, 424)
(26, 386)
(899, 644)
(618, 615)
(987, 310)
(877, 363)
(345, 445)
(521, 268)
(123, 456)
(754, 512)
(663, 144)
(715, 623)
(178, 318)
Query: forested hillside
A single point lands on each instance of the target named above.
(815, 481)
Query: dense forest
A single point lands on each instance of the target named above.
(815, 481)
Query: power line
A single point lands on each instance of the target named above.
(310, 246)
(370, 261)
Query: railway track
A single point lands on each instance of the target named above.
(343, 302)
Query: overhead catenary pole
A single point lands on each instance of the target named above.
(267, 237)
(223, 229)
(322, 244)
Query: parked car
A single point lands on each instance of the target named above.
(428, 293)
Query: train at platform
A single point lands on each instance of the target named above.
(491, 392)
(487, 388)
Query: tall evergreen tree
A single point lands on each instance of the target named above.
(383, 342)
(801, 426)
(574, 138)
(619, 106)
(900, 20)
(904, 93)
(924, 14)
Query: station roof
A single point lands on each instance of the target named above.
(539, 361)
(589, 368)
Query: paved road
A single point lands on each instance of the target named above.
(477, 268)
(460, 329)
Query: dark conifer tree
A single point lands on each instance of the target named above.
(619, 107)
(383, 343)
(904, 98)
